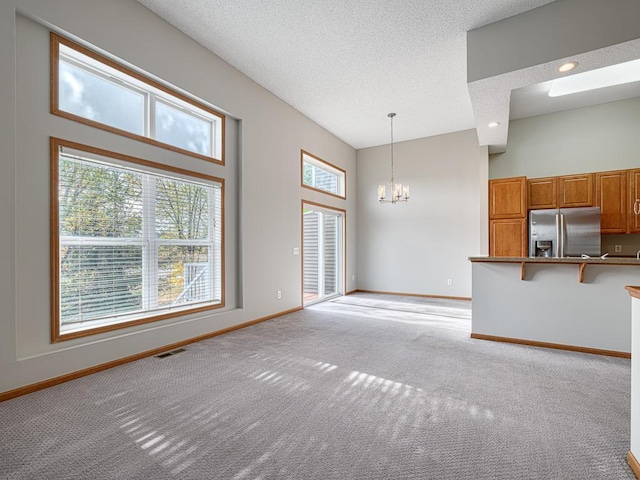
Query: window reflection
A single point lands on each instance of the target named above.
(87, 95)
(182, 130)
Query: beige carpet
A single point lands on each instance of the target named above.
(363, 387)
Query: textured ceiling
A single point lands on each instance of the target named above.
(345, 64)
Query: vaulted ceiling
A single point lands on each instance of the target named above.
(346, 64)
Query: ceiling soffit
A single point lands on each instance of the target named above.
(527, 49)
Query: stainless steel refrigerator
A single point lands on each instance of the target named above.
(564, 232)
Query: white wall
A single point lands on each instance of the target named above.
(591, 139)
(263, 204)
(416, 247)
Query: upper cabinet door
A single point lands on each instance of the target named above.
(575, 190)
(507, 198)
(611, 197)
(633, 204)
(542, 193)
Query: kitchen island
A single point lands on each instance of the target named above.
(569, 303)
(634, 451)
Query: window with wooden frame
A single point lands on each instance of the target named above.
(320, 175)
(90, 88)
(132, 241)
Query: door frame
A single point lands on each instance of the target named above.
(320, 206)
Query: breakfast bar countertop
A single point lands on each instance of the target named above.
(563, 260)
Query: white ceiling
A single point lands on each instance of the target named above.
(346, 64)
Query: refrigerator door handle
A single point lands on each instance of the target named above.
(556, 247)
(562, 238)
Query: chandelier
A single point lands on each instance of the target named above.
(399, 193)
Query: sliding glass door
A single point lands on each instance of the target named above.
(322, 253)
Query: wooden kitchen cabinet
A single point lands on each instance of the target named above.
(508, 237)
(611, 197)
(542, 193)
(508, 217)
(575, 190)
(508, 198)
(633, 202)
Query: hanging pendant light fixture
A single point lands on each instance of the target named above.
(399, 193)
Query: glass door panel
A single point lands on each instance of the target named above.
(310, 227)
(330, 254)
(322, 254)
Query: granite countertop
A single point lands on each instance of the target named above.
(595, 260)
(633, 290)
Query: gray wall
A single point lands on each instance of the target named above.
(552, 306)
(263, 201)
(416, 247)
(599, 138)
(560, 29)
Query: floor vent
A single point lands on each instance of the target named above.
(172, 352)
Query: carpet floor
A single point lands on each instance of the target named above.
(362, 387)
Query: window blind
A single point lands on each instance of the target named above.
(133, 242)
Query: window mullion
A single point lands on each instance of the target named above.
(320, 254)
(151, 115)
(150, 246)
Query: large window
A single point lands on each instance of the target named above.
(318, 174)
(93, 89)
(132, 241)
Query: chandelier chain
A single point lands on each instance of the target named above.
(391, 115)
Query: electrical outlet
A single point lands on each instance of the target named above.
(279, 294)
(296, 251)
(618, 248)
(450, 281)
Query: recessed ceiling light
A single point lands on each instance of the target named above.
(567, 67)
(493, 124)
(602, 77)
